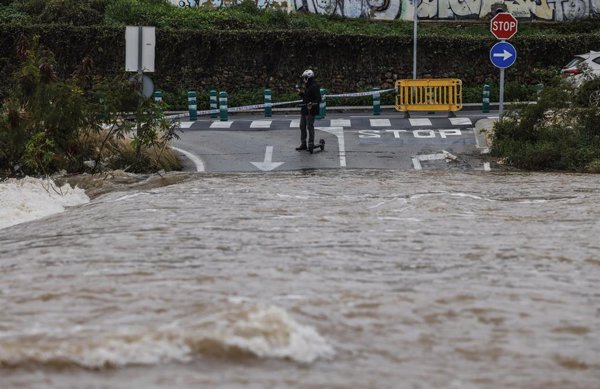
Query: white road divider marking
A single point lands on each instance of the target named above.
(380, 122)
(185, 124)
(419, 122)
(217, 124)
(267, 165)
(261, 124)
(295, 124)
(340, 123)
(460, 121)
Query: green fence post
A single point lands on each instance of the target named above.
(376, 101)
(223, 109)
(192, 105)
(268, 102)
(213, 103)
(322, 105)
(485, 105)
(158, 96)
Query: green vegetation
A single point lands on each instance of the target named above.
(226, 32)
(560, 132)
(82, 124)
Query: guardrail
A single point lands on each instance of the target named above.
(429, 95)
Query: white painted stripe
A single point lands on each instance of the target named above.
(219, 124)
(260, 124)
(380, 122)
(493, 117)
(420, 122)
(460, 121)
(295, 124)
(432, 157)
(340, 123)
(416, 163)
(196, 160)
(339, 133)
(185, 124)
(486, 167)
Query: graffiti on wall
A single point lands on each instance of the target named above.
(556, 10)
(551, 10)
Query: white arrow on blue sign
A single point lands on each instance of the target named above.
(503, 55)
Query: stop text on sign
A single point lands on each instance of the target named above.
(504, 26)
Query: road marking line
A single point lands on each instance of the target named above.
(460, 121)
(185, 124)
(260, 124)
(295, 124)
(339, 133)
(419, 122)
(218, 124)
(340, 123)
(196, 160)
(416, 160)
(380, 122)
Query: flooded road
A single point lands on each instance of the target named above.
(318, 279)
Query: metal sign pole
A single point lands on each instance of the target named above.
(140, 70)
(140, 75)
(501, 108)
(415, 17)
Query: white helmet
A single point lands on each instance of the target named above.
(308, 74)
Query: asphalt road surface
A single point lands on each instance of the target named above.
(247, 143)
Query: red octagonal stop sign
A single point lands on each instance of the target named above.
(503, 25)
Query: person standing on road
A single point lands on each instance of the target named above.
(311, 98)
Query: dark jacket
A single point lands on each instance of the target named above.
(311, 94)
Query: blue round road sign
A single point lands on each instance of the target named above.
(503, 55)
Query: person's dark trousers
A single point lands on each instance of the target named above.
(307, 122)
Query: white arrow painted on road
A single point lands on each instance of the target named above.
(505, 55)
(267, 165)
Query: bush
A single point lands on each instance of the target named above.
(83, 123)
(73, 12)
(10, 14)
(554, 134)
(588, 94)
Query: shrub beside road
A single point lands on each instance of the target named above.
(560, 132)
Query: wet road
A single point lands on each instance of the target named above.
(388, 141)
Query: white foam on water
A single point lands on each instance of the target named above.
(270, 332)
(262, 332)
(27, 199)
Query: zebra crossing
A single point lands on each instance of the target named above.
(376, 123)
